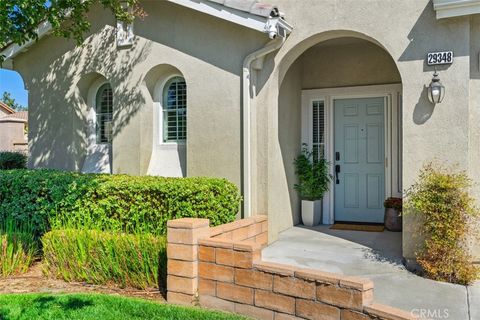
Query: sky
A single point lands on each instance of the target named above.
(12, 82)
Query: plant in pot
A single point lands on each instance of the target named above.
(393, 214)
(313, 182)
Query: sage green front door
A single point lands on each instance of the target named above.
(359, 159)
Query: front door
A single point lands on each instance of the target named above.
(359, 156)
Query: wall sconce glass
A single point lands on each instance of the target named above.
(436, 90)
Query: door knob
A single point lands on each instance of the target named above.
(337, 171)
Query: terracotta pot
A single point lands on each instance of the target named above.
(393, 221)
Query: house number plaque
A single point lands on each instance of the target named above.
(436, 58)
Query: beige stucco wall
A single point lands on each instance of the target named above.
(11, 133)
(169, 35)
(209, 53)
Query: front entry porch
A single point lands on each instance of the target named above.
(377, 256)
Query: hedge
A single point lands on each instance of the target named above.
(98, 257)
(12, 160)
(55, 199)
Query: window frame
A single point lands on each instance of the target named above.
(161, 119)
(101, 87)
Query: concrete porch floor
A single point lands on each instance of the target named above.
(377, 256)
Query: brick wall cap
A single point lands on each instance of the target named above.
(276, 268)
(238, 224)
(248, 246)
(215, 231)
(387, 312)
(260, 218)
(319, 276)
(217, 243)
(188, 223)
(357, 283)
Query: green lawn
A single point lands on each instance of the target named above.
(96, 307)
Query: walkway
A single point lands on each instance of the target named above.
(376, 256)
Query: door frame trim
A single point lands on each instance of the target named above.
(393, 131)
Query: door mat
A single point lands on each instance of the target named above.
(358, 227)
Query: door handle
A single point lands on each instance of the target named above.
(337, 171)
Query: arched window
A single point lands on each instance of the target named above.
(104, 111)
(175, 110)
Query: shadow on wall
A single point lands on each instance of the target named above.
(59, 131)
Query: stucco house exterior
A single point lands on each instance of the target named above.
(232, 88)
(13, 128)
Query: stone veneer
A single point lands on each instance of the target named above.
(221, 268)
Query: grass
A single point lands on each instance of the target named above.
(96, 307)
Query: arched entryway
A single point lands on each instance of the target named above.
(340, 93)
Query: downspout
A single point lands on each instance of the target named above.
(247, 152)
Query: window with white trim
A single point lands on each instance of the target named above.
(318, 130)
(104, 114)
(175, 110)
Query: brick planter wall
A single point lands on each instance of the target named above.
(221, 268)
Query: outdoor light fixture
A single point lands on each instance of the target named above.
(436, 90)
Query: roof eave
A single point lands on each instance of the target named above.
(455, 8)
(13, 50)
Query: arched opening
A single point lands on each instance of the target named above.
(13, 112)
(168, 91)
(97, 95)
(340, 94)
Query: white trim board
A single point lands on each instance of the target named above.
(455, 8)
(392, 95)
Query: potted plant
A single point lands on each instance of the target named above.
(393, 214)
(313, 182)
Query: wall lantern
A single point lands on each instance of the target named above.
(436, 90)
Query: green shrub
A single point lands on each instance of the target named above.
(98, 257)
(12, 160)
(123, 203)
(18, 248)
(441, 197)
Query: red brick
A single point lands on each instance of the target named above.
(319, 276)
(207, 287)
(216, 243)
(274, 301)
(254, 229)
(181, 268)
(184, 252)
(262, 239)
(188, 223)
(224, 257)
(215, 272)
(186, 236)
(294, 287)
(180, 298)
(234, 293)
(342, 297)
(254, 312)
(206, 254)
(356, 283)
(253, 279)
(246, 246)
(260, 218)
(284, 316)
(353, 315)
(216, 303)
(245, 259)
(182, 285)
(265, 226)
(316, 310)
(240, 234)
(387, 312)
(277, 268)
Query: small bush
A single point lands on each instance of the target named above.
(18, 248)
(100, 257)
(441, 197)
(120, 203)
(12, 160)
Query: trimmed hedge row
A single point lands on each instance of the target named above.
(55, 199)
(98, 257)
(12, 160)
